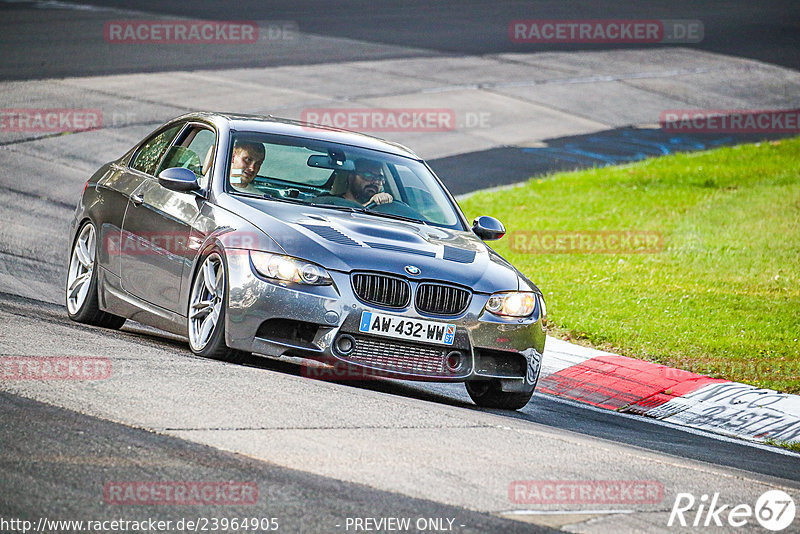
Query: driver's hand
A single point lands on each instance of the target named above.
(381, 198)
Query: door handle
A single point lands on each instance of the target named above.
(137, 199)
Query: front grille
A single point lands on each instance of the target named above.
(400, 357)
(442, 299)
(382, 290)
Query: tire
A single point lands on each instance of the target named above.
(488, 394)
(206, 316)
(81, 287)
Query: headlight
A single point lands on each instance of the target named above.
(288, 269)
(512, 304)
(543, 313)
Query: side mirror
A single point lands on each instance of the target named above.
(488, 228)
(178, 179)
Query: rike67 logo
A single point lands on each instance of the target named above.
(774, 510)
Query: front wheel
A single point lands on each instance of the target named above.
(207, 311)
(489, 394)
(81, 287)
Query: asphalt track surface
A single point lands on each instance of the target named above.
(54, 464)
(55, 460)
(766, 31)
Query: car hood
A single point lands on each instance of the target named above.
(347, 241)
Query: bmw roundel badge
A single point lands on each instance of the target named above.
(413, 270)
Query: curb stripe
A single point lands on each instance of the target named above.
(621, 383)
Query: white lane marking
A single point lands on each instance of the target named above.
(564, 512)
(560, 354)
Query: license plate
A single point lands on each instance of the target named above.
(381, 324)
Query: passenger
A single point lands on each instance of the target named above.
(247, 160)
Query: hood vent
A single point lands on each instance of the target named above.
(331, 234)
(397, 248)
(459, 254)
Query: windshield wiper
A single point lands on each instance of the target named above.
(389, 215)
(332, 206)
(270, 197)
(286, 199)
(354, 209)
(351, 209)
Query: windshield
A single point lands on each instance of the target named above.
(335, 176)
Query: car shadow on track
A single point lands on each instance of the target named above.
(312, 370)
(55, 314)
(544, 410)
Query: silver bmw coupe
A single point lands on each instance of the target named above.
(281, 238)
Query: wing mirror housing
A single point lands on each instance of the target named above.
(179, 179)
(488, 228)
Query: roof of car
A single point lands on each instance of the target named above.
(277, 125)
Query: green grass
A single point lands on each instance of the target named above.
(723, 295)
(790, 445)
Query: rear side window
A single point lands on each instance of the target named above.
(149, 154)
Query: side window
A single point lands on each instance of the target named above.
(194, 150)
(149, 154)
(419, 197)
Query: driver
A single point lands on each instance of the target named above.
(247, 160)
(365, 184)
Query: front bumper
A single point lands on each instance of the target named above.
(276, 319)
